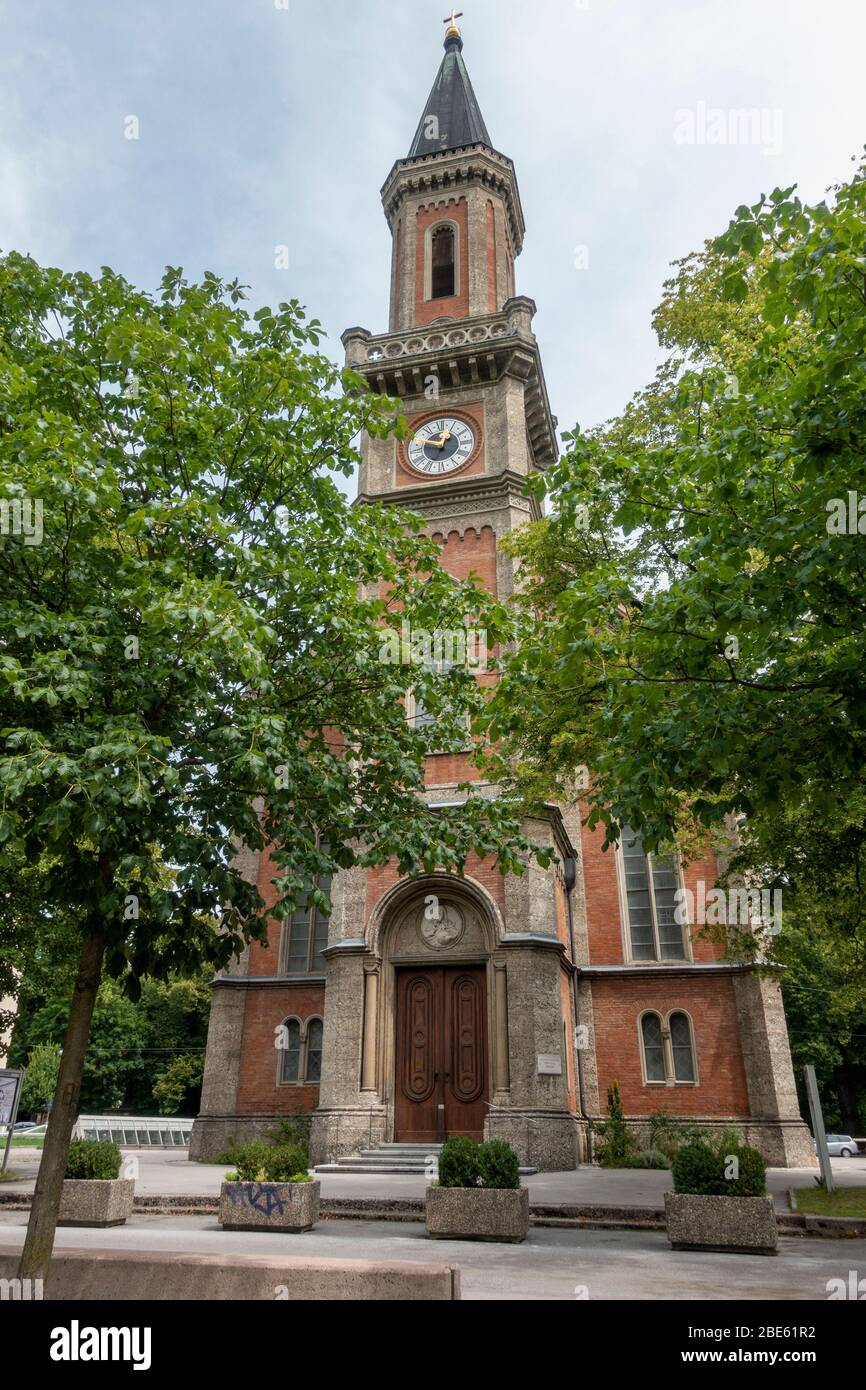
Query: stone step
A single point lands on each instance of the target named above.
(359, 1165)
(390, 1158)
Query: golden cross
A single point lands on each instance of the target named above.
(452, 21)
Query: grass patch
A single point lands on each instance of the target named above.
(27, 1143)
(845, 1201)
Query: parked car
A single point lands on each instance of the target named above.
(840, 1146)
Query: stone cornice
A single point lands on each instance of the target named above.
(499, 492)
(444, 174)
(630, 970)
(462, 353)
(535, 939)
(267, 981)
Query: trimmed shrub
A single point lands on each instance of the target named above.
(463, 1163)
(260, 1162)
(91, 1160)
(719, 1169)
(499, 1164)
(284, 1161)
(250, 1160)
(459, 1163)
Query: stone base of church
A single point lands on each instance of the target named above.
(213, 1135)
(783, 1143)
(340, 1132)
(552, 1142)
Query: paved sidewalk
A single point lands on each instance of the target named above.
(171, 1174)
(549, 1265)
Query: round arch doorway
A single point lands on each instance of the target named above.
(438, 945)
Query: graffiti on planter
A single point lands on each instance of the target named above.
(262, 1197)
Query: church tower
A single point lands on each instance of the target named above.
(511, 1012)
(465, 1030)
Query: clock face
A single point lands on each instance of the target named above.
(441, 445)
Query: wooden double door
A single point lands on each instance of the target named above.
(441, 1061)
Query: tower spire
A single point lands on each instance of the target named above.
(452, 117)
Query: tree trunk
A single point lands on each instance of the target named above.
(38, 1246)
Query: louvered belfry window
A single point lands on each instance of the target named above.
(443, 266)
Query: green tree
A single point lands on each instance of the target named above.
(191, 615)
(819, 870)
(132, 1046)
(40, 1078)
(177, 1081)
(695, 616)
(113, 1063)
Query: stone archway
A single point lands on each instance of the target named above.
(442, 1027)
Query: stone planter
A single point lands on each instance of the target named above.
(478, 1213)
(96, 1201)
(739, 1224)
(269, 1206)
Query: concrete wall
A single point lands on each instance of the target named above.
(130, 1276)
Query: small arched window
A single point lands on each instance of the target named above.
(681, 1047)
(291, 1038)
(300, 1045)
(443, 267)
(653, 1047)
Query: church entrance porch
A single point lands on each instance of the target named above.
(441, 1080)
(439, 1022)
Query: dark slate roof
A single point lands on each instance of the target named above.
(455, 106)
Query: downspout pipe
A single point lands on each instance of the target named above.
(570, 876)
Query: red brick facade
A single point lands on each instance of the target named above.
(544, 950)
(721, 1083)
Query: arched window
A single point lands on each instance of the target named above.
(650, 885)
(305, 936)
(668, 1049)
(313, 1068)
(300, 1044)
(653, 1048)
(291, 1050)
(681, 1047)
(443, 266)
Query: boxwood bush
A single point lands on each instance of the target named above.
(459, 1163)
(719, 1169)
(261, 1162)
(499, 1165)
(93, 1160)
(463, 1163)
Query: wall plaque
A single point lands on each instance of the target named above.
(549, 1064)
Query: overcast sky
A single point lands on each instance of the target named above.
(264, 123)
